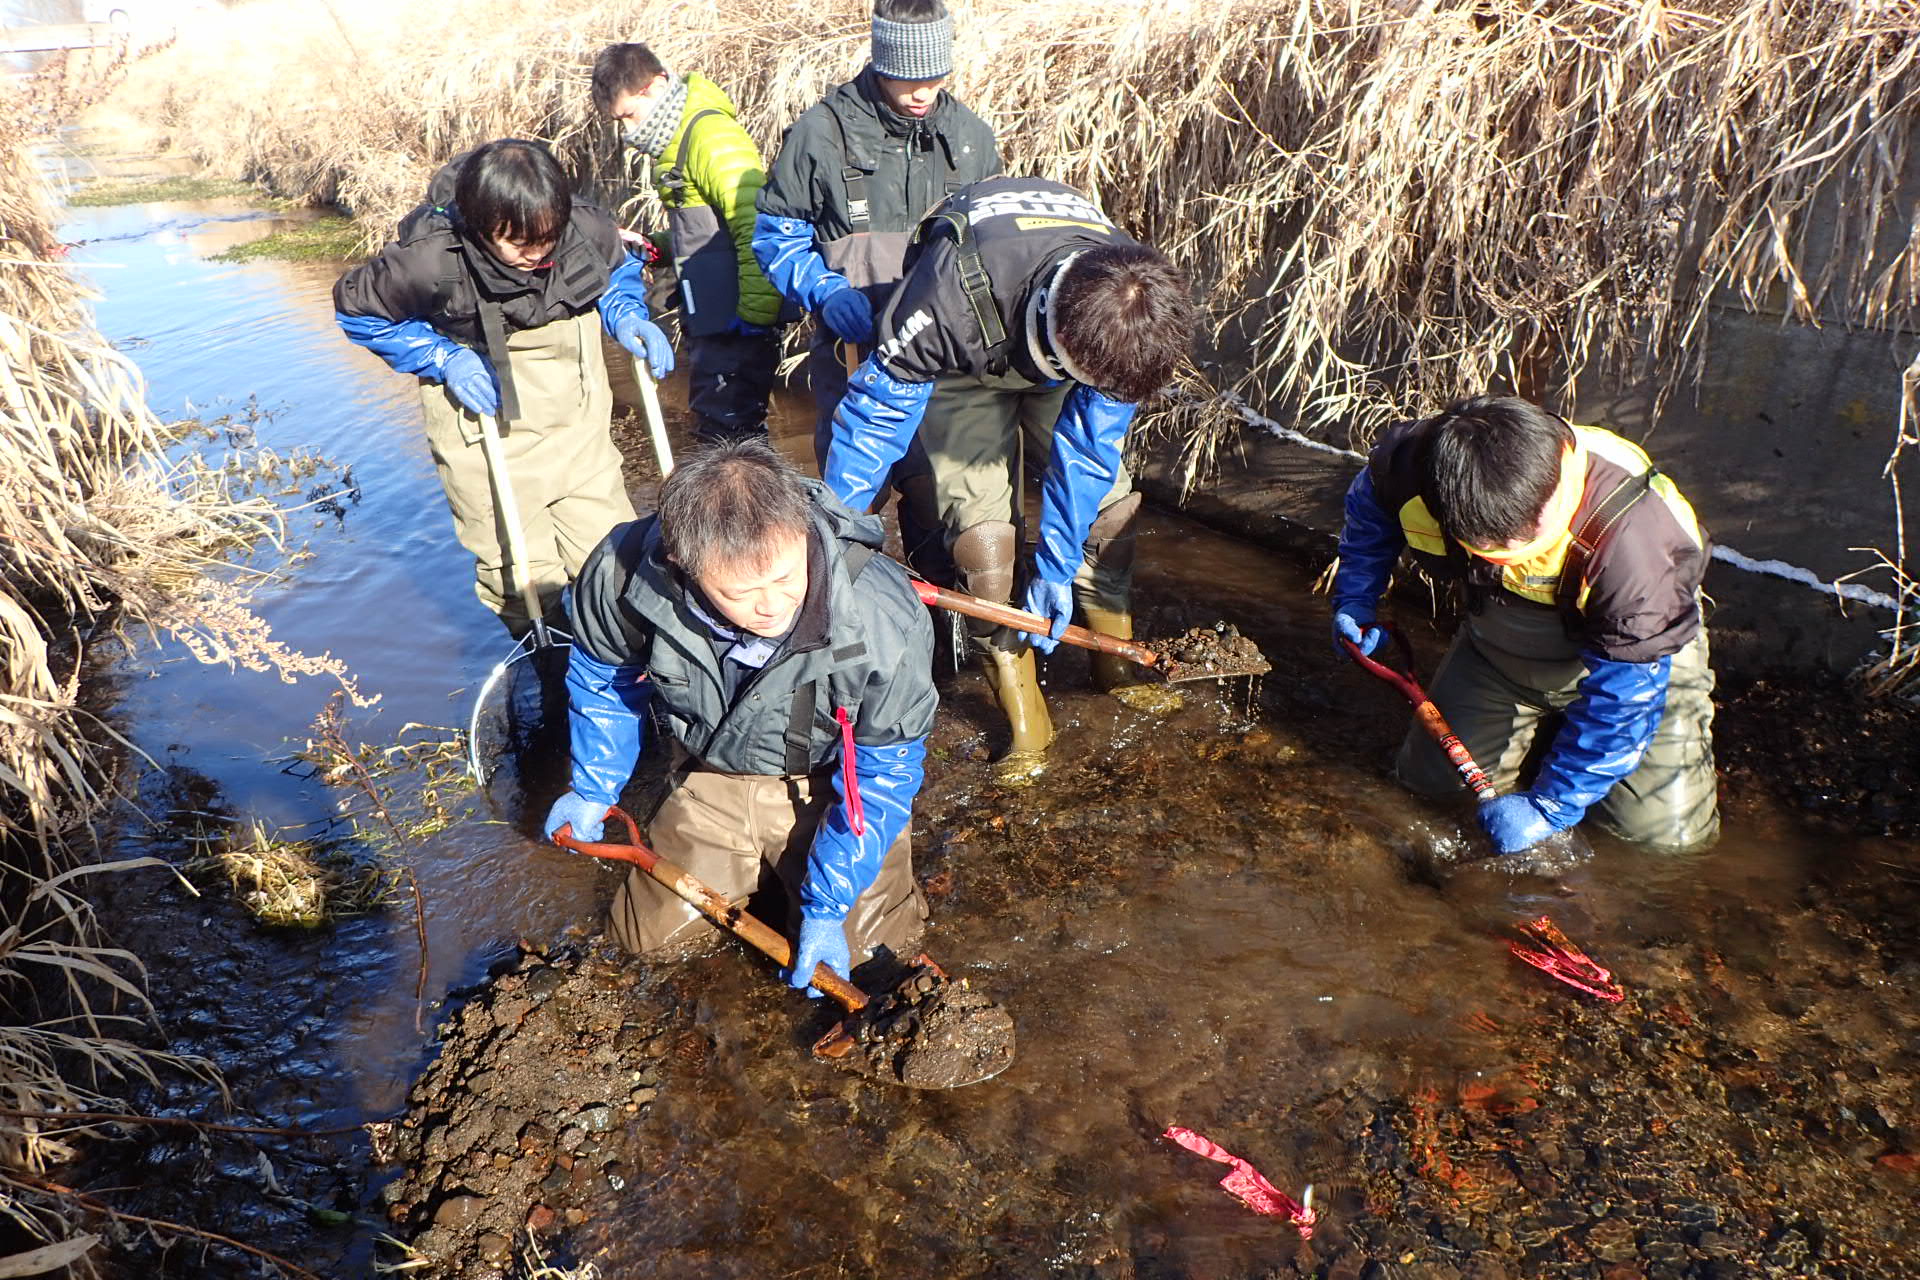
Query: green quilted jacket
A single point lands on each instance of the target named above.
(725, 171)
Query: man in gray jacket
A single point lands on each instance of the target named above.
(855, 175)
(792, 666)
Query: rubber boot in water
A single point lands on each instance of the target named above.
(1104, 588)
(1015, 681)
(983, 559)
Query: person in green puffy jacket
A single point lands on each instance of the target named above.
(708, 173)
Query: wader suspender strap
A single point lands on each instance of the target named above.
(675, 179)
(493, 327)
(975, 282)
(799, 735)
(855, 181)
(1587, 541)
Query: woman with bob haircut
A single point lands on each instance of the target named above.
(493, 294)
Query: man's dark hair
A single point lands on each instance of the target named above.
(1123, 315)
(1493, 465)
(910, 10)
(730, 504)
(514, 190)
(622, 68)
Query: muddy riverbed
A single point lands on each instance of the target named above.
(1225, 918)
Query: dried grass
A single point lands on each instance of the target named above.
(98, 533)
(292, 883)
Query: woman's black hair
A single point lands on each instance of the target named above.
(511, 189)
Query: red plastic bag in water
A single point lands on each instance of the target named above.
(1247, 1186)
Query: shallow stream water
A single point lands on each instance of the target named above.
(1227, 918)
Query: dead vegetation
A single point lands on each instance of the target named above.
(101, 536)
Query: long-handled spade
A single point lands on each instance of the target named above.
(1203, 653)
(929, 1032)
(1430, 719)
(542, 636)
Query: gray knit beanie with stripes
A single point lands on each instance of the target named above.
(913, 50)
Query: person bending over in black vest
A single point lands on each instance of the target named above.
(1025, 334)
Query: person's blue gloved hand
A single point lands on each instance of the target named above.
(583, 815)
(1516, 822)
(646, 340)
(1356, 624)
(471, 381)
(821, 942)
(1054, 602)
(850, 316)
(746, 328)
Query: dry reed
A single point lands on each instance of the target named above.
(98, 533)
(1387, 202)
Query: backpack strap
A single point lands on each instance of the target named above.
(799, 734)
(974, 281)
(1587, 541)
(675, 179)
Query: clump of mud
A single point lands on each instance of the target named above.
(515, 1127)
(929, 1032)
(1209, 652)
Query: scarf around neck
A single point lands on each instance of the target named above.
(652, 134)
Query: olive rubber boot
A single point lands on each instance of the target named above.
(1104, 587)
(983, 560)
(1016, 686)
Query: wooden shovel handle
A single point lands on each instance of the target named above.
(1425, 712)
(1020, 620)
(734, 919)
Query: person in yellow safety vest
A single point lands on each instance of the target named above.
(1582, 568)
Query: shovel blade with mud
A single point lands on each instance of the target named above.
(927, 1032)
(1202, 653)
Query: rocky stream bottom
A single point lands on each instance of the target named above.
(1748, 1110)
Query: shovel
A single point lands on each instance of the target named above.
(1226, 652)
(929, 1032)
(1424, 710)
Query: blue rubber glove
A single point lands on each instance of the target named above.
(471, 382)
(1054, 602)
(1518, 821)
(607, 714)
(585, 816)
(843, 862)
(821, 942)
(747, 328)
(1369, 544)
(784, 248)
(1355, 623)
(1087, 437)
(872, 427)
(647, 341)
(850, 316)
(408, 346)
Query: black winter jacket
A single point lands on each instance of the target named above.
(434, 271)
(1023, 228)
(901, 166)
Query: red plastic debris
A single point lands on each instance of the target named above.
(1247, 1186)
(1564, 962)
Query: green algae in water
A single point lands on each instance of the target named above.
(156, 192)
(328, 239)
